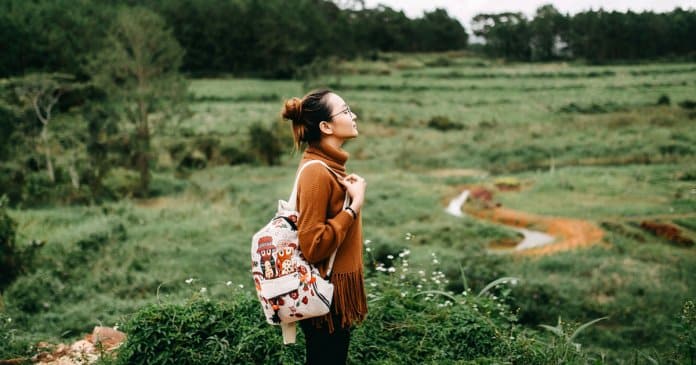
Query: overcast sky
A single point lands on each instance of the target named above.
(464, 10)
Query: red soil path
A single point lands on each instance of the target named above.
(570, 233)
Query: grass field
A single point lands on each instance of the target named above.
(585, 142)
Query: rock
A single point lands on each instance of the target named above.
(85, 351)
(83, 346)
(108, 337)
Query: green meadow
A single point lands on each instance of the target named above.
(613, 145)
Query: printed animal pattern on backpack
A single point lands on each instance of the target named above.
(278, 267)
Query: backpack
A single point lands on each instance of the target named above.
(288, 287)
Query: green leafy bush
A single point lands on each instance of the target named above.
(205, 332)
(266, 143)
(686, 346)
(443, 123)
(11, 346)
(10, 264)
(411, 320)
(663, 100)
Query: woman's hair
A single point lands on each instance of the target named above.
(306, 114)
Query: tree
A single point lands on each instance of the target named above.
(506, 34)
(41, 92)
(547, 28)
(138, 68)
(437, 31)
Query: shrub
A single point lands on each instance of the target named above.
(407, 324)
(10, 263)
(686, 346)
(688, 104)
(663, 100)
(121, 182)
(265, 143)
(443, 123)
(34, 292)
(203, 331)
(11, 346)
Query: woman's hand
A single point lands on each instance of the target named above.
(355, 186)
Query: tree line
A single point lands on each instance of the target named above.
(596, 36)
(270, 38)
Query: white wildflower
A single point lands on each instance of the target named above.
(241, 286)
(367, 242)
(368, 249)
(189, 281)
(390, 257)
(203, 290)
(391, 269)
(229, 283)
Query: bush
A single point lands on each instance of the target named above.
(34, 292)
(10, 345)
(265, 143)
(688, 104)
(121, 182)
(686, 346)
(411, 320)
(663, 100)
(442, 123)
(205, 332)
(10, 263)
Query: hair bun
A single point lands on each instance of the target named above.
(293, 109)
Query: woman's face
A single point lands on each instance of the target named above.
(342, 118)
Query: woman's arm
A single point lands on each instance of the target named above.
(319, 236)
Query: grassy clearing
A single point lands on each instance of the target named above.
(632, 160)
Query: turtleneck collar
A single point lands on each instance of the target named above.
(334, 157)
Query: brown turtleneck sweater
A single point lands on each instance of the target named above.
(324, 226)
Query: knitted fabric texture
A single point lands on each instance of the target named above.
(324, 226)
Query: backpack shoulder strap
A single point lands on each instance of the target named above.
(293, 201)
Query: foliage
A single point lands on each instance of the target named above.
(686, 344)
(138, 69)
(12, 346)
(265, 143)
(443, 123)
(204, 331)
(10, 264)
(596, 36)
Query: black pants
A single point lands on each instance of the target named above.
(324, 347)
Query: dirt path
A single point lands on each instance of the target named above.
(549, 234)
(570, 233)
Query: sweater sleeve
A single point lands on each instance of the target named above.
(319, 234)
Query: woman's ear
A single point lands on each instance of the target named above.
(325, 127)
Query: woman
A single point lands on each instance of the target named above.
(322, 121)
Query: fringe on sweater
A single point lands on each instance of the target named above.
(349, 301)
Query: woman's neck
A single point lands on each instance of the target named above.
(333, 141)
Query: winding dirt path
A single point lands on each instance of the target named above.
(570, 233)
(542, 235)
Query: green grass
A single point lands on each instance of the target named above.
(631, 161)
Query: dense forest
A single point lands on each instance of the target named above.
(275, 38)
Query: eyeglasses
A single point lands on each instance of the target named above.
(346, 111)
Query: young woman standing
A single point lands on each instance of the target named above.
(322, 121)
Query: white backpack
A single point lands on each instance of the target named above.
(289, 288)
